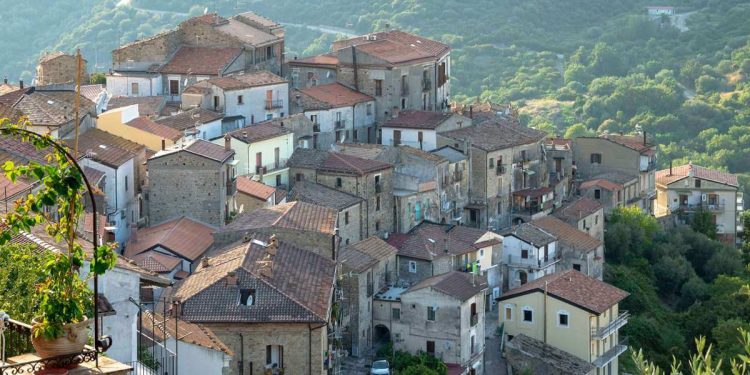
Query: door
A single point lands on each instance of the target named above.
(276, 158)
(258, 162)
(524, 277)
(431, 348)
(269, 99)
(558, 165)
(683, 200)
(174, 87)
(216, 102)
(396, 137)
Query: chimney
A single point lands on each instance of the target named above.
(163, 144)
(176, 309)
(134, 232)
(244, 135)
(227, 142)
(20, 83)
(205, 262)
(231, 278)
(273, 245)
(644, 138)
(471, 111)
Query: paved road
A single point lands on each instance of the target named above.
(494, 364)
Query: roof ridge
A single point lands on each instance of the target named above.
(277, 289)
(336, 154)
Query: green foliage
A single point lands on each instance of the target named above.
(418, 369)
(404, 361)
(61, 295)
(703, 222)
(98, 78)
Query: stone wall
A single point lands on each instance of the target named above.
(61, 69)
(319, 243)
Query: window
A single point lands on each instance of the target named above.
(396, 137)
(314, 119)
(404, 86)
(412, 266)
(269, 116)
(134, 88)
(597, 194)
(377, 226)
(596, 219)
(126, 183)
(247, 297)
(524, 254)
(577, 267)
(430, 313)
(338, 182)
(563, 319)
(299, 177)
(377, 203)
(269, 52)
(240, 100)
(697, 183)
(481, 252)
(431, 348)
(355, 135)
(596, 158)
(396, 313)
(275, 356)
(378, 87)
(369, 109)
(528, 315)
(174, 87)
(508, 313)
(278, 180)
(491, 163)
(403, 103)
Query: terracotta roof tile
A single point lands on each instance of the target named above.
(259, 132)
(396, 46)
(496, 135)
(567, 234)
(246, 33)
(190, 118)
(92, 92)
(293, 215)
(678, 173)
(576, 288)
(531, 234)
(196, 60)
(362, 255)
(412, 119)
(47, 107)
(184, 237)
(199, 147)
(157, 262)
(335, 162)
(148, 125)
(332, 95)
(255, 189)
(191, 333)
(460, 285)
(327, 59)
(149, 106)
(311, 192)
(105, 148)
(429, 241)
(578, 209)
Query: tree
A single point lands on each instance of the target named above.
(702, 362)
(745, 235)
(703, 222)
(98, 78)
(418, 369)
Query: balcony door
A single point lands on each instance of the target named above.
(274, 356)
(396, 137)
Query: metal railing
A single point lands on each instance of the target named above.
(269, 168)
(611, 354)
(718, 207)
(274, 104)
(339, 124)
(532, 263)
(500, 170)
(599, 333)
(474, 320)
(458, 176)
(426, 84)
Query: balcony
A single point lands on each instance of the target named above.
(599, 333)
(269, 168)
(404, 90)
(370, 289)
(21, 358)
(716, 207)
(500, 170)
(274, 104)
(426, 84)
(458, 176)
(316, 128)
(231, 186)
(532, 263)
(339, 124)
(474, 320)
(611, 354)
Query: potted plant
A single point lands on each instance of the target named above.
(63, 298)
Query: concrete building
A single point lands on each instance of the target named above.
(400, 70)
(578, 250)
(197, 180)
(612, 189)
(304, 225)
(529, 253)
(419, 129)
(561, 167)
(455, 184)
(314, 70)
(349, 208)
(211, 46)
(371, 180)
(584, 213)
(196, 123)
(262, 152)
(59, 67)
(246, 98)
(505, 157)
(127, 122)
(367, 267)
(684, 189)
(268, 301)
(569, 311)
(338, 113)
(442, 316)
(625, 154)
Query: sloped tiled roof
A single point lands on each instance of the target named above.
(259, 132)
(298, 288)
(575, 288)
(332, 95)
(335, 162)
(92, 92)
(293, 215)
(190, 119)
(429, 241)
(105, 148)
(198, 60)
(328, 59)
(311, 192)
(242, 81)
(668, 176)
(157, 262)
(191, 333)
(459, 285)
(255, 189)
(47, 107)
(184, 237)
(362, 255)
(496, 135)
(567, 234)
(9, 189)
(634, 142)
(600, 182)
(530, 234)
(246, 33)
(202, 148)
(396, 46)
(413, 119)
(577, 209)
(434, 158)
(557, 361)
(148, 125)
(147, 105)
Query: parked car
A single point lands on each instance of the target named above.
(380, 367)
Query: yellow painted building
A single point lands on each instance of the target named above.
(571, 312)
(127, 123)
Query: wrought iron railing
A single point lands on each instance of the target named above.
(611, 354)
(274, 104)
(599, 333)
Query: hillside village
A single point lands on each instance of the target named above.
(296, 215)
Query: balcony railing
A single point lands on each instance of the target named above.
(611, 354)
(532, 263)
(339, 124)
(316, 128)
(19, 361)
(599, 333)
(718, 207)
(500, 170)
(274, 104)
(269, 168)
(474, 320)
(531, 208)
(458, 176)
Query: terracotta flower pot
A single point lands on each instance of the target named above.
(74, 338)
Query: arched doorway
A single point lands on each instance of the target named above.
(523, 277)
(382, 335)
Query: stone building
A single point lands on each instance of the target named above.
(268, 301)
(419, 129)
(252, 195)
(612, 189)
(367, 267)
(561, 167)
(59, 67)
(529, 253)
(584, 213)
(304, 225)
(505, 158)
(371, 180)
(314, 70)
(196, 180)
(349, 207)
(578, 250)
(442, 316)
(244, 42)
(455, 192)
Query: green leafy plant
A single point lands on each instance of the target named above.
(62, 294)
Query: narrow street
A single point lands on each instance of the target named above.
(494, 364)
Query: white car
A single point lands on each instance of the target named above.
(380, 368)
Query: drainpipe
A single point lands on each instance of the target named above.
(354, 64)
(242, 354)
